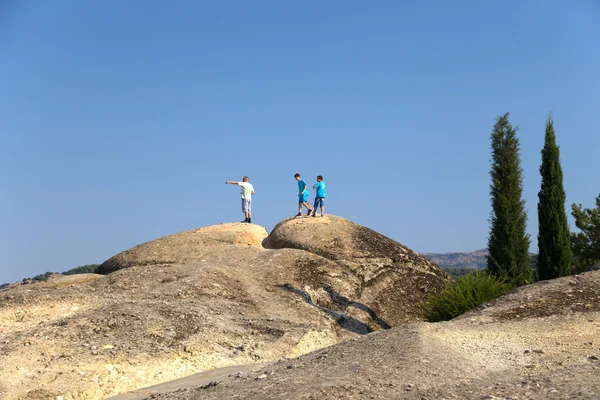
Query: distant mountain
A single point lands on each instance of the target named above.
(475, 259)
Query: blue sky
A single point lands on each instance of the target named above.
(120, 121)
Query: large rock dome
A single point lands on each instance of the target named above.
(207, 298)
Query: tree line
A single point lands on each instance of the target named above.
(560, 252)
(82, 269)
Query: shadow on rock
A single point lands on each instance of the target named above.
(344, 301)
(349, 323)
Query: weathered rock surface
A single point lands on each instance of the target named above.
(395, 281)
(193, 301)
(185, 247)
(541, 341)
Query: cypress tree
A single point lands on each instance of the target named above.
(508, 243)
(554, 238)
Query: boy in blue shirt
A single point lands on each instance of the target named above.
(319, 196)
(302, 196)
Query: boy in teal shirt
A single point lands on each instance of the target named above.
(319, 196)
(302, 196)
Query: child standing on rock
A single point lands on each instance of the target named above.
(247, 192)
(319, 196)
(302, 196)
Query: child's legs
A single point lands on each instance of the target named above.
(322, 204)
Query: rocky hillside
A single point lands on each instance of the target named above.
(475, 259)
(207, 298)
(541, 342)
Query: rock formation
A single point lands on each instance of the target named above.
(394, 281)
(186, 247)
(206, 298)
(540, 341)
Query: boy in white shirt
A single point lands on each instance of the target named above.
(247, 192)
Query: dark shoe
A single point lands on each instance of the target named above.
(314, 214)
(298, 215)
(244, 221)
(249, 220)
(308, 213)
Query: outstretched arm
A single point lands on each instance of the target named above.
(231, 182)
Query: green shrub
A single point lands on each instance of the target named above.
(459, 271)
(84, 269)
(41, 277)
(465, 293)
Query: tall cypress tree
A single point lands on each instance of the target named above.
(508, 243)
(554, 238)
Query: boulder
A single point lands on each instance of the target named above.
(395, 282)
(185, 247)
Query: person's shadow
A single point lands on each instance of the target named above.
(343, 320)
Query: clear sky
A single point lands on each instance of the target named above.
(121, 120)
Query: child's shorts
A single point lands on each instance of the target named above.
(246, 205)
(319, 202)
(303, 198)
